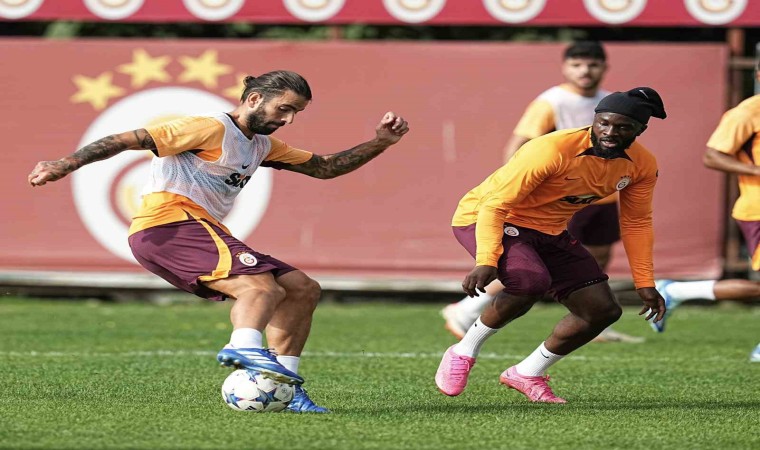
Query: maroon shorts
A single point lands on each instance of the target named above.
(596, 224)
(751, 232)
(184, 252)
(535, 263)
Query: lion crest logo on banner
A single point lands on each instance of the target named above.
(107, 194)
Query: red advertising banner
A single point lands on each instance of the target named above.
(389, 217)
(432, 12)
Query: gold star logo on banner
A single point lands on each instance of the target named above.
(236, 90)
(96, 91)
(144, 68)
(204, 69)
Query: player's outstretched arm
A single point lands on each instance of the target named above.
(389, 131)
(478, 279)
(654, 304)
(103, 148)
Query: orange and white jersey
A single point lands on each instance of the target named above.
(738, 134)
(203, 162)
(560, 108)
(549, 179)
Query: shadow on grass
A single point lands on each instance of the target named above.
(473, 406)
(675, 404)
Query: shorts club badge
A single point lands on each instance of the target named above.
(247, 258)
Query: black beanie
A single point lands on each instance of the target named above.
(639, 104)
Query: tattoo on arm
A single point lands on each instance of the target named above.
(104, 148)
(96, 151)
(145, 139)
(336, 164)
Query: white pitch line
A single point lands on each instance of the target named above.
(407, 355)
(108, 354)
(327, 354)
(331, 354)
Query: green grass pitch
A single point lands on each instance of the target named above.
(79, 375)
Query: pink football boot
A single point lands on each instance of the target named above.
(453, 371)
(535, 388)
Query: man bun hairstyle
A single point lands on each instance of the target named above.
(275, 83)
(585, 49)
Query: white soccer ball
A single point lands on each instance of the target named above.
(248, 390)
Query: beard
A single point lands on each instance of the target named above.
(603, 152)
(256, 122)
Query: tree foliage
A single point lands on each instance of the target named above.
(244, 30)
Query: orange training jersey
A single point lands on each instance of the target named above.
(738, 134)
(560, 108)
(548, 180)
(202, 164)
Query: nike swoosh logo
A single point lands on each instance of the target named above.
(245, 167)
(572, 179)
(542, 354)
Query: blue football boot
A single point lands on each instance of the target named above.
(301, 403)
(670, 305)
(259, 359)
(755, 355)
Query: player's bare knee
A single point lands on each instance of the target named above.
(305, 291)
(272, 293)
(518, 304)
(312, 292)
(607, 315)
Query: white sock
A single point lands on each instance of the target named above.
(469, 308)
(246, 338)
(690, 290)
(289, 362)
(474, 339)
(536, 363)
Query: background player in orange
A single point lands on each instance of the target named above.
(202, 164)
(568, 105)
(514, 225)
(734, 147)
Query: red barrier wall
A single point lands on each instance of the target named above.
(742, 13)
(392, 216)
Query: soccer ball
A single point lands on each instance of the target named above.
(248, 390)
